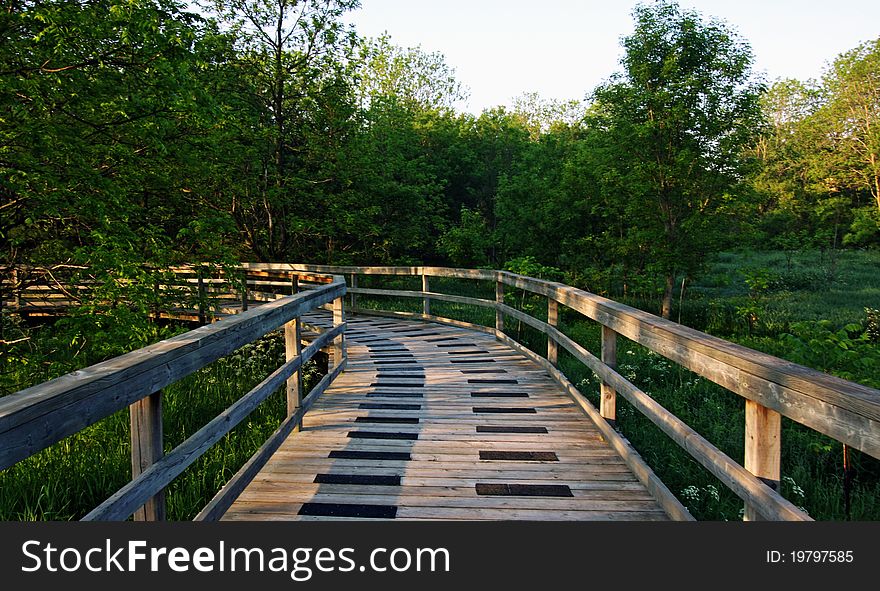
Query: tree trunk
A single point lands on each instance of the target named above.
(666, 305)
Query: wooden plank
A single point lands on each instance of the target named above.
(608, 398)
(293, 349)
(738, 479)
(763, 449)
(447, 448)
(34, 418)
(126, 500)
(846, 411)
(227, 495)
(552, 317)
(426, 301)
(146, 449)
(499, 302)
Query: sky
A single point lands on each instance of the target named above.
(562, 49)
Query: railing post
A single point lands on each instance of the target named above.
(339, 342)
(763, 449)
(244, 291)
(203, 319)
(353, 283)
(294, 284)
(426, 301)
(292, 350)
(16, 293)
(552, 316)
(499, 299)
(146, 449)
(608, 400)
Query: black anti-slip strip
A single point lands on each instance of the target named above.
(524, 456)
(391, 420)
(447, 345)
(483, 370)
(382, 435)
(363, 479)
(388, 406)
(397, 385)
(369, 455)
(523, 490)
(498, 429)
(472, 361)
(339, 510)
(468, 352)
(441, 339)
(391, 355)
(502, 410)
(490, 381)
(395, 395)
(387, 348)
(499, 394)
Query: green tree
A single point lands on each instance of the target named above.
(415, 78)
(850, 141)
(291, 56)
(678, 118)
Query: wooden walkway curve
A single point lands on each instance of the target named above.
(436, 422)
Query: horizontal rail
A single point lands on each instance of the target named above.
(155, 478)
(37, 417)
(846, 411)
(227, 495)
(443, 297)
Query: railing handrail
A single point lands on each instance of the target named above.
(37, 417)
(789, 388)
(846, 411)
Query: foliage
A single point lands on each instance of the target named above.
(675, 123)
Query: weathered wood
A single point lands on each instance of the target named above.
(444, 297)
(147, 449)
(34, 418)
(426, 301)
(293, 349)
(338, 351)
(846, 411)
(448, 445)
(670, 504)
(771, 505)
(244, 292)
(227, 495)
(203, 318)
(499, 302)
(552, 318)
(352, 285)
(608, 398)
(763, 449)
(158, 475)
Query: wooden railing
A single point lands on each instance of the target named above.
(37, 417)
(771, 387)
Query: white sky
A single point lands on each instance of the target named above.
(563, 48)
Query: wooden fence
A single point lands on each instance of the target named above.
(37, 417)
(771, 387)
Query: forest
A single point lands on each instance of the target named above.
(140, 134)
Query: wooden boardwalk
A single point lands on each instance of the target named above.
(441, 423)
